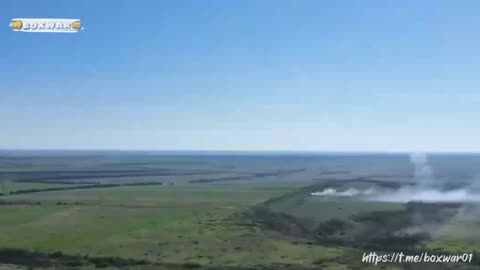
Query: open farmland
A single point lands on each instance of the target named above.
(206, 211)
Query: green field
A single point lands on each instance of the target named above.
(160, 224)
(208, 213)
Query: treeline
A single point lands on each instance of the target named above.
(281, 222)
(34, 190)
(60, 182)
(223, 179)
(34, 259)
(2, 202)
(59, 260)
(35, 176)
(248, 176)
(279, 172)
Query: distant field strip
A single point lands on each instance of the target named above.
(249, 176)
(23, 191)
(65, 175)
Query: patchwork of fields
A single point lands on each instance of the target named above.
(146, 211)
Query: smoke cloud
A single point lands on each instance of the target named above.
(424, 190)
(423, 172)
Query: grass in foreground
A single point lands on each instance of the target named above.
(178, 225)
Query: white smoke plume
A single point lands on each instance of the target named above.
(424, 190)
(409, 194)
(423, 173)
(347, 193)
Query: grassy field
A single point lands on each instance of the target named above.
(169, 225)
(185, 223)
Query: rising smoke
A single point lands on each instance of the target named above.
(425, 189)
(422, 171)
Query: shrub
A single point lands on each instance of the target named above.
(56, 254)
(331, 226)
(192, 265)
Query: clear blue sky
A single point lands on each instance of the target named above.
(243, 75)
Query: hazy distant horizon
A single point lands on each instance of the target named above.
(287, 152)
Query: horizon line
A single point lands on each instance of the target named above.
(237, 151)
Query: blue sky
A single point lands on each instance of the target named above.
(243, 75)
